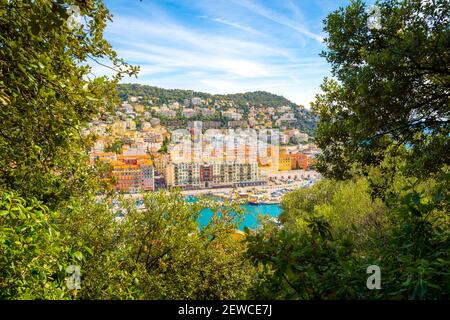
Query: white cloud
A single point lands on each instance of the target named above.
(235, 25)
(167, 59)
(275, 17)
(140, 32)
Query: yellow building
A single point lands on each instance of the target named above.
(268, 124)
(118, 128)
(160, 162)
(267, 169)
(130, 134)
(139, 108)
(284, 161)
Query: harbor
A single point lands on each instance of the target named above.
(260, 195)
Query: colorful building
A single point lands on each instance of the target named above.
(284, 161)
(133, 174)
(299, 161)
(103, 156)
(212, 174)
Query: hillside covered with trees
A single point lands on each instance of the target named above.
(255, 98)
(305, 119)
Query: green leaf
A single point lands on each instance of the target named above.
(78, 255)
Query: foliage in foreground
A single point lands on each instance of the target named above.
(152, 252)
(52, 214)
(157, 251)
(390, 88)
(384, 135)
(33, 256)
(332, 232)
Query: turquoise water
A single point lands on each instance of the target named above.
(251, 213)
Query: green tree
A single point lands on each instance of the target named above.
(332, 232)
(54, 209)
(391, 87)
(157, 251)
(165, 145)
(47, 96)
(33, 256)
(48, 93)
(384, 135)
(116, 146)
(323, 245)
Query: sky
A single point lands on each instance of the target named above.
(219, 46)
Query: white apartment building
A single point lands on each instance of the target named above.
(212, 174)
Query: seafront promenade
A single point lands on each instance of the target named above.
(229, 191)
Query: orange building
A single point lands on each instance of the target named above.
(299, 161)
(133, 174)
(104, 156)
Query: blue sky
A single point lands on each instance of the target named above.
(228, 46)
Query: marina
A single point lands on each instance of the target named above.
(260, 195)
